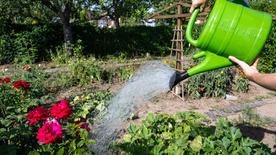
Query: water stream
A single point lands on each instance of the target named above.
(150, 80)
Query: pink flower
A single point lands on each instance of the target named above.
(50, 132)
(36, 115)
(61, 110)
(21, 84)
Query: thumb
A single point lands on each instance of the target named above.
(255, 63)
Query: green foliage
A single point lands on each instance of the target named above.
(250, 117)
(187, 133)
(214, 83)
(134, 41)
(60, 56)
(36, 76)
(241, 84)
(118, 74)
(7, 53)
(91, 103)
(17, 136)
(28, 44)
(268, 55)
(25, 49)
(14, 130)
(84, 71)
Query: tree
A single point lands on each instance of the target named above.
(64, 9)
(115, 9)
(45, 10)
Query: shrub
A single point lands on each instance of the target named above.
(24, 117)
(84, 70)
(267, 57)
(187, 133)
(7, 52)
(26, 50)
(209, 84)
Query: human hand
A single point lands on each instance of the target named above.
(197, 3)
(249, 71)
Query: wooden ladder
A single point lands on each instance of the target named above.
(177, 44)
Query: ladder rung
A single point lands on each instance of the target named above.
(178, 50)
(177, 40)
(177, 30)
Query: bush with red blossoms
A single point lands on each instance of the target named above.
(49, 127)
(21, 84)
(5, 80)
(61, 110)
(50, 132)
(37, 114)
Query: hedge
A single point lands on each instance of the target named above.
(133, 41)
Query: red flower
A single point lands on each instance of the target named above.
(36, 115)
(21, 84)
(61, 110)
(50, 132)
(5, 80)
(83, 124)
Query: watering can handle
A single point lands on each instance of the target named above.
(189, 29)
(210, 62)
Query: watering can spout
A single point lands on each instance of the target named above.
(178, 77)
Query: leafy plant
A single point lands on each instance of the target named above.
(63, 132)
(84, 70)
(15, 100)
(186, 133)
(250, 117)
(118, 74)
(7, 52)
(216, 83)
(241, 84)
(211, 84)
(25, 48)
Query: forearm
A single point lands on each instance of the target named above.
(266, 80)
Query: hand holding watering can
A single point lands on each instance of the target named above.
(231, 30)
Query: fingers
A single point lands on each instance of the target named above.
(193, 6)
(242, 64)
(235, 60)
(197, 3)
(202, 7)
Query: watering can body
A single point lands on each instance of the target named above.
(231, 29)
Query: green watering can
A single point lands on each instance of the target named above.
(231, 29)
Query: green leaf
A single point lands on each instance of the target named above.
(72, 146)
(132, 129)
(80, 143)
(157, 149)
(196, 144)
(225, 142)
(235, 133)
(60, 151)
(127, 138)
(33, 153)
